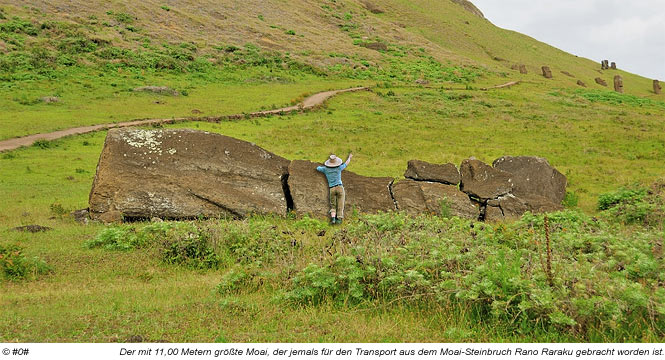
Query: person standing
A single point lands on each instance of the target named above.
(333, 172)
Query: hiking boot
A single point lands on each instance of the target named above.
(338, 221)
(333, 221)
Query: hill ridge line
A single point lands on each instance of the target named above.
(308, 103)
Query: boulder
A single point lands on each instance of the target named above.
(533, 177)
(482, 181)
(547, 73)
(424, 171)
(372, 7)
(600, 81)
(493, 214)
(81, 216)
(162, 90)
(618, 83)
(49, 99)
(184, 174)
(581, 83)
(309, 190)
(32, 228)
(656, 87)
(513, 207)
(523, 69)
(417, 197)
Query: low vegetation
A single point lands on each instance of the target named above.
(377, 278)
(15, 265)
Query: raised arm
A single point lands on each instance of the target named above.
(348, 160)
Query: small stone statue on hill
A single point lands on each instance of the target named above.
(618, 84)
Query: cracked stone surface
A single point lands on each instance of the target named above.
(418, 197)
(309, 190)
(183, 173)
(533, 177)
(424, 171)
(483, 181)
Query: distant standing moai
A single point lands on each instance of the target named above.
(656, 87)
(604, 65)
(523, 69)
(613, 66)
(618, 84)
(547, 73)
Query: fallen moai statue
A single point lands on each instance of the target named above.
(600, 81)
(183, 174)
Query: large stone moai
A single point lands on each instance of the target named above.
(613, 66)
(656, 87)
(604, 65)
(547, 73)
(523, 69)
(618, 84)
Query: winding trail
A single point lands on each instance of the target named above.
(308, 103)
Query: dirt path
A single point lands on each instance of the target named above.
(508, 84)
(307, 104)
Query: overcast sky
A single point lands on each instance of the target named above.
(629, 32)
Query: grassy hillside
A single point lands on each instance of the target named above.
(90, 54)
(426, 63)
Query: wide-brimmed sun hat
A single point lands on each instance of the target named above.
(333, 161)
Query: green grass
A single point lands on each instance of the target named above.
(99, 104)
(98, 283)
(137, 292)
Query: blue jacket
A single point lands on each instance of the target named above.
(334, 175)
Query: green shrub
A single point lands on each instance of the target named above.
(600, 279)
(76, 45)
(15, 266)
(43, 144)
(241, 279)
(633, 206)
(571, 199)
(19, 26)
(253, 241)
(191, 249)
(57, 209)
(621, 196)
(122, 237)
(124, 18)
